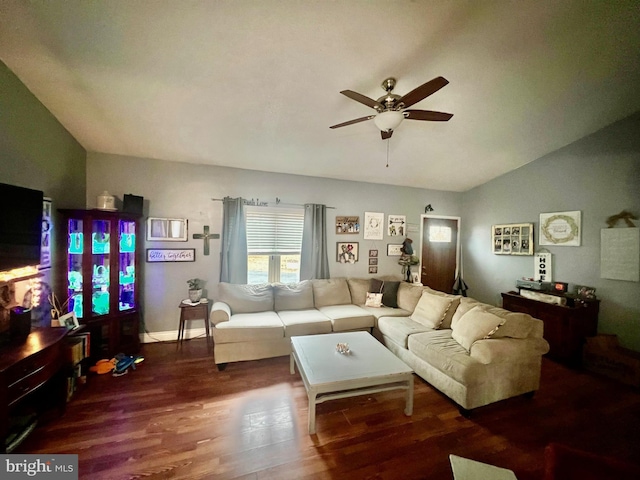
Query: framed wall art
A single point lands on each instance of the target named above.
(167, 229)
(396, 225)
(47, 228)
(347, 252)
(373, 225)
(561, 229)
(347, 225)
(394, 250)
(512, 239)
(156, 255)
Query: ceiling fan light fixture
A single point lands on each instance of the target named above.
(388, 120)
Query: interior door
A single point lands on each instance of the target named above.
(439, 249)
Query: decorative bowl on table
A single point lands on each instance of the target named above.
(343, 348)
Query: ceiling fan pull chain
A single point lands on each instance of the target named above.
(388, 140)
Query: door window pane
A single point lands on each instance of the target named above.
(439, 234)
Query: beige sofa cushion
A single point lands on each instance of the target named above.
(443, 353)
(383, 311)
(348, 317)
(293, 296)
(409, 295)
(249, 327)
(358, 288)
(516, 324)
(304, 322)
(399, 329)
(433, 310)
(332, 291)
(246, 298)
(475, 325)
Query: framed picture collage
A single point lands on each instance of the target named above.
(512, 239)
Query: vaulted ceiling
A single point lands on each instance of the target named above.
(256, 84)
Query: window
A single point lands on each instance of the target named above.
(439, 234)
(274, 240)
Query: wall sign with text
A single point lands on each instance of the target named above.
(542, 267)
(171, 255)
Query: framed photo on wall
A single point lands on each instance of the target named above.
(347, 225)
(512, 239)
(347, 252)
(167, 229)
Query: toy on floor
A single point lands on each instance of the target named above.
(119, 364)
(124, 362)
(103, 366)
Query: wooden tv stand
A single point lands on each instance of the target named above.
(31, 380)
(565, 327)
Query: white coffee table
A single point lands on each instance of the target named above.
(329, 375)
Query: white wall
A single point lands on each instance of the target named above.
(180, 190)
(598, 175)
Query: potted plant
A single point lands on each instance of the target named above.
(195, 289)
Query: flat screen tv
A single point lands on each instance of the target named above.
(20, 226)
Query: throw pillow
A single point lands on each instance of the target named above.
(373, 300)
(476, 324)
(389, 290)
(446, 321)
(431, 310)
(466, 304)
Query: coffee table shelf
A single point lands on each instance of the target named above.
(329, 375)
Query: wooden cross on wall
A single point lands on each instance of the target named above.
(205, 236)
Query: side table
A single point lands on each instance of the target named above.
(191, 311)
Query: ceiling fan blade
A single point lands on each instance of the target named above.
(427, 115)
(351, 122)
(423, 91)
(358, 97)
(386, 135)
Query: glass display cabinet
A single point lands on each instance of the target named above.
(102, 277)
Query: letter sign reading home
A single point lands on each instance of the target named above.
(171, 255)
(542, 265)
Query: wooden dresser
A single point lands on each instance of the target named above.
(31, 382)
(565, 327)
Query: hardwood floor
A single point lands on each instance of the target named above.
(177, 417)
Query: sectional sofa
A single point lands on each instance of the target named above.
(472, 352)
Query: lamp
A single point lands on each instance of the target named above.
(388, 120)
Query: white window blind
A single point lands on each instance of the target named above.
(274, 230)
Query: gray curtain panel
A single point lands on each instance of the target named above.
(233, 265)
(314, 262)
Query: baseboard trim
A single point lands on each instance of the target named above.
(171, 335)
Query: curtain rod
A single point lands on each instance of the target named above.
(258, 203)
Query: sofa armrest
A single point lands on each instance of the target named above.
(508, 349)
(220, 312)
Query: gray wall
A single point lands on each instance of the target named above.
(36, 151)
(179, 190)
(598, 175)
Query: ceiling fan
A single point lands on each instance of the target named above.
(392, 109)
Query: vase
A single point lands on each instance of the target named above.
(195, 295)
